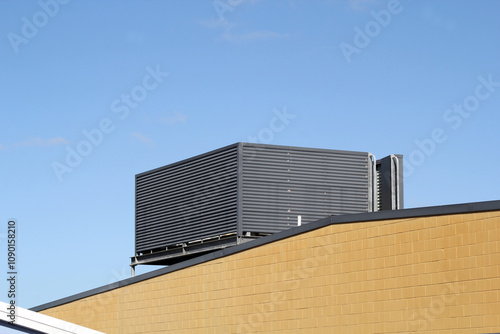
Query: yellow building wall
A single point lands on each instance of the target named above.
(426, 274)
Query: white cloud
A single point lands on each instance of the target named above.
(37, 142)
(141, 137)
(42, 142)
(229, 27)
(361, 5)
(262, 35)
(216, 23)
(56, 141)
(430, 15)
(176, 118)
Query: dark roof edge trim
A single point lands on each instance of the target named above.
(343, 219)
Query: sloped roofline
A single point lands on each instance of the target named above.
(342, 219)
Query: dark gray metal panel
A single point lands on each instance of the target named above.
(390, 182)
(188, 200)
(282, 182)
(384, 183)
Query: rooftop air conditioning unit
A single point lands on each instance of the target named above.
(244, 191)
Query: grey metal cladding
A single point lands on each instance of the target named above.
(247, 188)
(188, 200)
(281, 182)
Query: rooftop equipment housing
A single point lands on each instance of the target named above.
(244, 191)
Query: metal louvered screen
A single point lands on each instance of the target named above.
(244, 191)
(279, 183)
(188, 200)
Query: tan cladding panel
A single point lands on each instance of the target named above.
(429, 274)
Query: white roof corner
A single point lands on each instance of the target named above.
(40, 322)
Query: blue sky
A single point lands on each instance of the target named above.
(94, 92)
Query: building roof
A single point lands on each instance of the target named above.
(342, 219)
